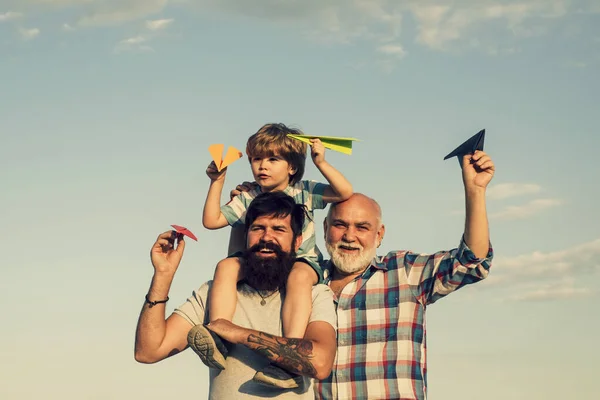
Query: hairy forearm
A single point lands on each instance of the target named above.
(339, 184)
(212, 206)
(151, 327)
(476, 233)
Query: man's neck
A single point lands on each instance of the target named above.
(339, 280)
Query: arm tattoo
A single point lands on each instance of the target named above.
(292, 354)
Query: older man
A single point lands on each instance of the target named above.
(273, 233)
(381, 301)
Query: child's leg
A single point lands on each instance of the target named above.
(297, 305)
(223, 293)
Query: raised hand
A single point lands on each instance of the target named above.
(164, 255)
(477, 170)
(317, 151)
(213, 173)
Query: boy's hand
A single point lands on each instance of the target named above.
(242, 187)
(317, 151)
(213, 173)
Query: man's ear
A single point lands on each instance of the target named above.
(297, 243)
(380, 234)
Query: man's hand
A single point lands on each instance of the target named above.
(165, 257)
(477, 170)
(242, 187)
(213, 173)
(228, 331)
(317, 151)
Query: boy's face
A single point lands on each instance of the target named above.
(271, 172)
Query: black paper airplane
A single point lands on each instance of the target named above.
(468, 147)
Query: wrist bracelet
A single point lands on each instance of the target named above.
(153, 303)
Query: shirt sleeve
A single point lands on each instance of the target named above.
(323, 307)
(194, 310)
(315, 190)
(434, 276)
(235, 210)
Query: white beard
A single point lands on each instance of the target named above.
(350, 263)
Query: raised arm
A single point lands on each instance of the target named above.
(434, 276)
(311, 356)
(155, 337)
(477, 171)
(339, 188)
(212, 217)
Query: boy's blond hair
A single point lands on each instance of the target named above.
(273, 139)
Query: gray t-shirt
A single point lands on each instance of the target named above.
(235, 382)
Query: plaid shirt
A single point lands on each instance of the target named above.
(381, 351)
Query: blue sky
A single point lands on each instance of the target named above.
(107, 109)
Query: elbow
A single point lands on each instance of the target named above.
(322, 368)
(144, 358)
(141, 358)
(322, 373)
(209, 225)
(347, 193)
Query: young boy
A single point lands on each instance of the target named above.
(277, 162)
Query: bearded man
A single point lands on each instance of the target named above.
(253, 339)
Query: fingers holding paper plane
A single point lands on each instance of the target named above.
(213, 172)
(477, 169)
(317, 151)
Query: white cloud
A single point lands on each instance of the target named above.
(133, 40)
(392, 49)
(158, 24)
(489, 26)
(506, 190)
(10, 15)
(561, 274)
(29, 34)
(582, 258)
(133, 44)
(560, 290)
(111, 12)
(439, 25)
(526, 210)
(67, 28)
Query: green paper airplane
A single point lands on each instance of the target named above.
(341, 144)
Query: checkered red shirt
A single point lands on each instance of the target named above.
(381, 351)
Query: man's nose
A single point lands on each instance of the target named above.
(349, 235)
(267, 236)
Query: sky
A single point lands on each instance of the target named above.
(107, 109)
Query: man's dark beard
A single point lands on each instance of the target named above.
(267, 273)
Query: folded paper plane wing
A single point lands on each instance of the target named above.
(185, 231)
(216, 152)
(474, 143)
(341, 144)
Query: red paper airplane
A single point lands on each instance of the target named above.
(185, 231)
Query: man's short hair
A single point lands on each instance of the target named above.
(277, 205)
(273, 139)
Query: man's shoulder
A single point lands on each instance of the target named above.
(321, 289)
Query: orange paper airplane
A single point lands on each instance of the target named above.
(216, 151)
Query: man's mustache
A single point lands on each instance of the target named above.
(348, 246)
(266, 246)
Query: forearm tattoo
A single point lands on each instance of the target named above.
(292, 354)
